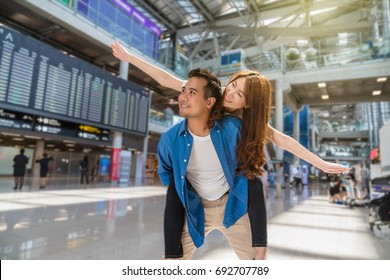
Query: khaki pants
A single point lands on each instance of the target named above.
(238, 235)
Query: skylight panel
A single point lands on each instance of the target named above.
(233, 6)
(147, 15)
(192, 12)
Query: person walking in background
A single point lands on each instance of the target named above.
(84, 170)
(20, 163)
(279, 179)
(44, 169)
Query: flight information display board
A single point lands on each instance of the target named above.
(38, 79)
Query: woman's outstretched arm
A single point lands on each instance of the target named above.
(289, 144)
(163, 77)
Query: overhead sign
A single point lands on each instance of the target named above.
(16, 120)
(40, 124)
(53, 126)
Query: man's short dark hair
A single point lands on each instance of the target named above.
(213, 86)
(22, 151)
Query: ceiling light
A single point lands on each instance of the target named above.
(380, 80)
(32, 137)
(50, 145)
(10, 134)
(376, 92)
(321, 85)
(17, 139)
(325, 96)
(359, 139)
(70, 145)
(67, 141)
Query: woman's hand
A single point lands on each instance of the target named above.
(330, 167)
(119, 51)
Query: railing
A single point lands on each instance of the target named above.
(343, 151)
(162, 119)
(300, 58)
(110, 18)
(315, 54)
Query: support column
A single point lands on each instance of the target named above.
(141, 157)
(115, 155)
(141, 163)
(296, 130)
(374, 14)
(313, 138)
(386, 19)
(117, 137)
(123, 70)
(279, 112)
(39, 150)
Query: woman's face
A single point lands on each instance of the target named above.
(234, 97)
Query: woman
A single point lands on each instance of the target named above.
(248, 95)
(338, 192)
(238, 100)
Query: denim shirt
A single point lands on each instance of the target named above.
(174, 150)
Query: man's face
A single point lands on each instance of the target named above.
(191, 99)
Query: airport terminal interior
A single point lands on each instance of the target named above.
(64, 94)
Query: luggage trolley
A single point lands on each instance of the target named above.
(380, 200)
(351, 198)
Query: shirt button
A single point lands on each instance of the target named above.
(182, 177)
(185, 160)
(218, 131)
(188, 145)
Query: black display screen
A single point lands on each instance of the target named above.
(38, 79)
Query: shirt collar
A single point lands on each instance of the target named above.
(183, 127)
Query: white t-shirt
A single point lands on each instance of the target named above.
(204, 170)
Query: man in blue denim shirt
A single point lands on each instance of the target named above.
(202, 161)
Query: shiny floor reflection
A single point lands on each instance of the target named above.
(110, 222)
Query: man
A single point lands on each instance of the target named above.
(202, 162)
(298, 177)
(20, 163)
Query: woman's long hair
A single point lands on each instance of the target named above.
(255, 118)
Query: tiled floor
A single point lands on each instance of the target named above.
(104, 221)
